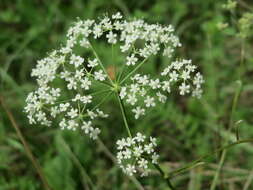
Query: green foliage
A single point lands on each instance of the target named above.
(218, 40)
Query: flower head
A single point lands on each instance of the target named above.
(136, 154)
(68, 78)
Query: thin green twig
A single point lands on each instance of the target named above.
(134, 70)
(101, 64)
(123, 111)
(223, 153)
(78, 164)
(102, 101)
(165, 177)
(25, 144)
(200, 159)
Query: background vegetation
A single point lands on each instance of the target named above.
(187, 128)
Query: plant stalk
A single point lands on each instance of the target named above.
(200, 159)
(133, 71)
(25, 144)
(123, 111)
(165, 177)
(224, 152)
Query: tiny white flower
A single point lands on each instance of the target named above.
(185, 75)
(143, 163)
(63, 124)
(119, 157)
(125, 47)
(149, 101)
(85, 83)
(86, 127)
(138, 150)
(155, 158)
(72, 84)
(111, 37)
(139, 137)
(153, 140)
(91, 114)
(191, 68)
(197, 92)
(117, 16)
(127, 154)
(94, 133)
(184, 89)
(154, 84)
(86, 99)
(123, 92)
(76, 60)
(55, 92)
(72, 125)
(130, 141)
(138, 112)
(173, 76)
(121, 144)
(92, 63)
(142, 92)
(77, 98)
(130, 170)
(134, 88)
(131, 99)
(162, 98)
(40, 116)
(106, 23)
(166, 86)
(99, 75)
(79, 74)
(168, 52)
(64, 107)
(101, 113)
(54, 111)
(131, 60)
(198, 80)
(143, 80)
(85, 43)
(97, 30)
(65, 75)
(73, 113)
(149, 148)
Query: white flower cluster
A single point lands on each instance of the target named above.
(144, 92)
(77, 75)
(136, 154)
(68, 81)
(138, 40)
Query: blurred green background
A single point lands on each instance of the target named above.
(187, 128)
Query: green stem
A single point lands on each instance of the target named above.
(124, 65)
(133, 71)
(100, 82)
(101, 64)
(123, 111)
(165, 177)
(121, 72)
(242, 59)
(190, 165)
(224, 152)
(76, 161)
(102, 101)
